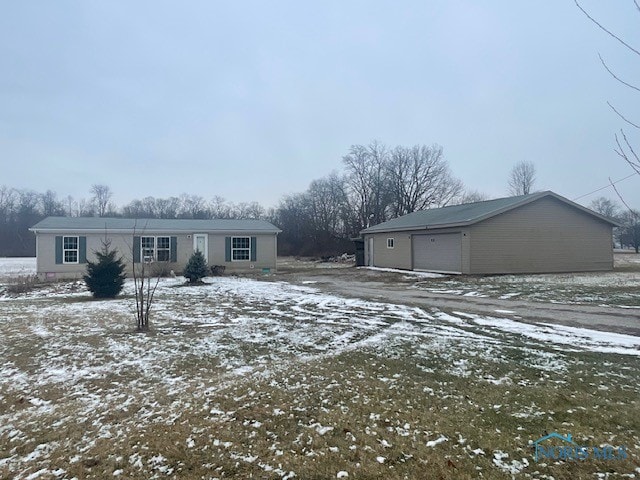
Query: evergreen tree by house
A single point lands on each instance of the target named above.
(196, 268)
(105, 278)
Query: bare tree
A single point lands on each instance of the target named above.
(605, 207)
(193, 206)
(7, 203)
(629, 233)
(69, 204)
(145, 285)
(251, 210)
(167, 207)
(624, 148)
(419, 178)
(220, 208)
(101, 196)
(367, 183)
(327, 202)
(50, 204)
(472, 196)
(522, 178)
(86, 208)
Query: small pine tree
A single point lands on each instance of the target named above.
(196, 268)
(105, 278)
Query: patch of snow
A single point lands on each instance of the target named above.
(437, 441)
(406, 272)
(514, 467)
(575, 337)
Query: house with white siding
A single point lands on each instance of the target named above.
(64, 244)
(537, 233)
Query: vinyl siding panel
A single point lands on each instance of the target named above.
(544, 236)
(47, 267)
(265, 253)
(397, 257)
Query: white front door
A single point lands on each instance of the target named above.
(201, 242)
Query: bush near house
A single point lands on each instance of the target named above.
(105, 278)
(196, 268)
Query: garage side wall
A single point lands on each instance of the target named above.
(544, 236)
(397, 257)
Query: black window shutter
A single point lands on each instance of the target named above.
(174, 249)
(82, 249)
(253, 249)
(227, 249)
(136, 249)
(58, 250)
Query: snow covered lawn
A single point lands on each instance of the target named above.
(619, 288)
(245, 378)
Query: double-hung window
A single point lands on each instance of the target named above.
(163, 249)
(240, 248)
(70, 250)
(148, 246)
(155, 249)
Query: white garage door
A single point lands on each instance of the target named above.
(440, 252)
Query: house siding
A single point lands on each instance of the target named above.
(397, 257)
(401, 256)
(48, 268)
(543, 236)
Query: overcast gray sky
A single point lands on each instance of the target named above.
(253, 100)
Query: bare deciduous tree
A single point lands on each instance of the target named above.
(327, 203)
(624, 147)
(145, 285)
(605, 207)
(367, 182)
(521, 178)
(101, 196)
(50, 204)
(419, 178)
(473, 196)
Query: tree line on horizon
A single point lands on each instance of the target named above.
(377, 183)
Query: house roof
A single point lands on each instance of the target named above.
(470, 213)
(141, 225)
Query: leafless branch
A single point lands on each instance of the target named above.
(604, 64)
(620, 197)
(623, 117)
(606, 30)
(623, 154)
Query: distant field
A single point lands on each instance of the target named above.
(12, 268)
(263, 379)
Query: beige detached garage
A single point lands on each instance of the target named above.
(536, 233)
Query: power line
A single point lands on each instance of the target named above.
(606, 186)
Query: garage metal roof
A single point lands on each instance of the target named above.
(152, 225)
(470, 213)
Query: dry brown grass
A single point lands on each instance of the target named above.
(260, 399)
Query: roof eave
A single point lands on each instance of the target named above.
(150, 230)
